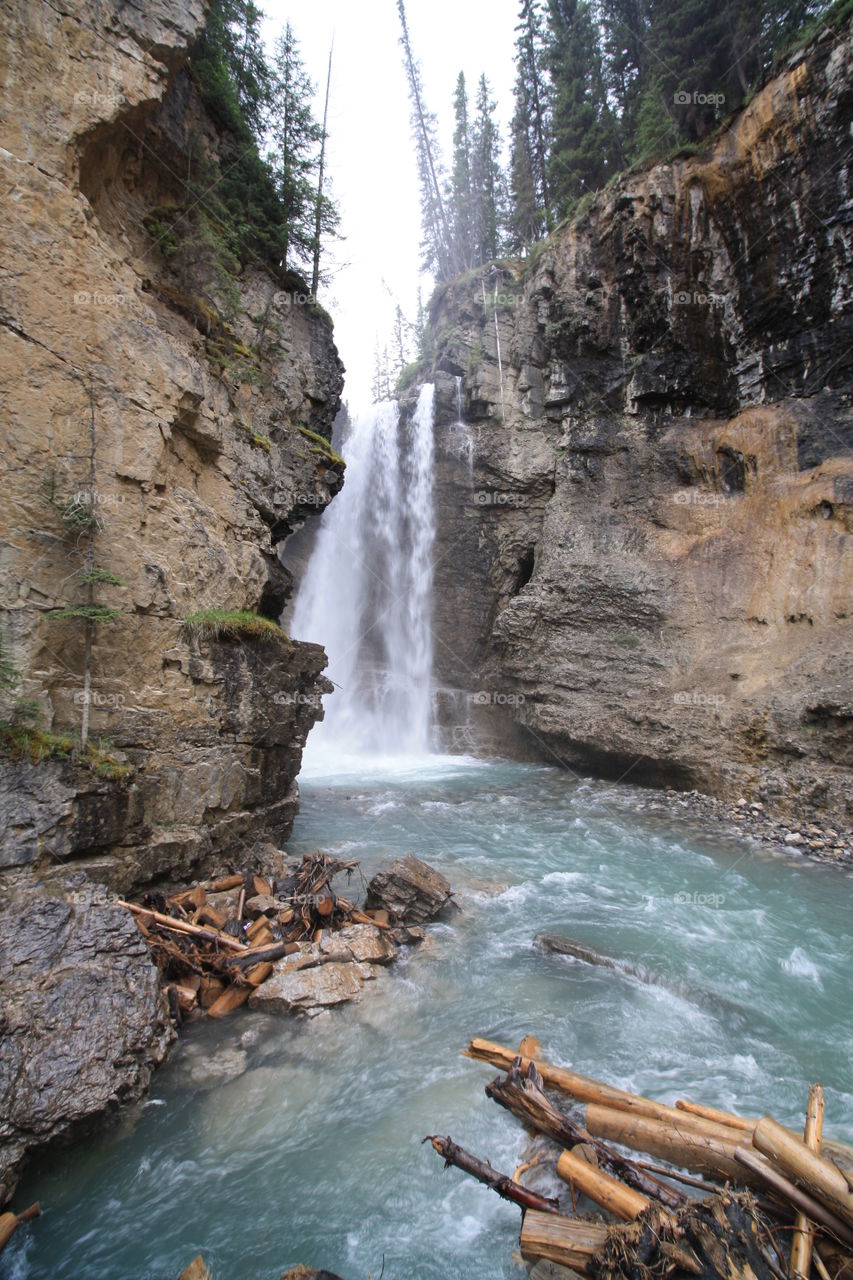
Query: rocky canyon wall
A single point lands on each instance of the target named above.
(643, 563)
(209, 416)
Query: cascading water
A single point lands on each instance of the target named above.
(367, 592)
(460, 439)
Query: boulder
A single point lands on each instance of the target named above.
(82, 1019)
(310, 990)
(325, 973)
(261, 905)
(366, 943)
(409, 890)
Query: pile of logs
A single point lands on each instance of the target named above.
(760, 1202)
(216, 942)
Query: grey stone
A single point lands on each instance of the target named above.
(312, 989)
(410, 890)
(261, 905)
(82, 1018)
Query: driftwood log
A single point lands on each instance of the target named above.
(802, 1242)
(522, 1095)
(789, 1192)
(505, 1186)
(723, 1125)
(9, 1222)
(805, 1167)
(611, 1194)
(679, 1143)
(570, 1242)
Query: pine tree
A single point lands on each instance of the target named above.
(252, 75)
(461, 193)
(420, 325)
(401, 343)
(527, 218)
(486, 180)
(626, 26)
(583, 142)
(532, 110)
(437, 236)
(296, 135)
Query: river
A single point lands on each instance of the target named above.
(267, 1141)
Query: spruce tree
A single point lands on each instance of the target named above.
(296, 135)
(461, 192)
(583, 142)
(486, 179)
(532, 105)
(437, 245)
(625, 26)
(527, 214)
(252, 76)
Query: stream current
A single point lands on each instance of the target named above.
(268, 1141)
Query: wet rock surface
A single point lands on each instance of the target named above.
(326, 973)
(409, 890)
(642, 559)
(82, 1019)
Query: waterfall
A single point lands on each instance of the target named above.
(460, 439)
(367, 591)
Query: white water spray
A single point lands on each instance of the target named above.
(367, 592)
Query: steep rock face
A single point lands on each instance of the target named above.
(652, 512)
(202, 465)
(82, 1019)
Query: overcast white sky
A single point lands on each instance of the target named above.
(370, 151)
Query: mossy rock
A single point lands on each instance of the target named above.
(234, 624)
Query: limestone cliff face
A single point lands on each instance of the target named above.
(201, 469)
(653, 517)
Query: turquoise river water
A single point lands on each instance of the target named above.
(267, 1142)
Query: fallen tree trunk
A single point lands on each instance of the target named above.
(584, 1089)
(723, 1125)
(609, 1193)
(725, 1118)
(224, 883)
(9, 1222)
(238, 993)
(253, 955)
(840, 1153)
(505, 1187)
(794, 1195)
(711, 1156)
(525, 1099)
(182, 926)
(802, 1242)
(805, 1167)
(571, 1242)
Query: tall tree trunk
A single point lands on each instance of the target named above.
(445, 243)
(318, 220)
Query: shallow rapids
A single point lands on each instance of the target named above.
(267, 1142)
